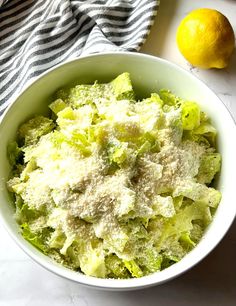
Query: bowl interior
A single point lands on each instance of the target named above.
(148, 74)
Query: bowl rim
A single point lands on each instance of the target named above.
(113, 284)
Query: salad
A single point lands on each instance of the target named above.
(112, 186)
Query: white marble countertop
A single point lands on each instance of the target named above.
(212, 282)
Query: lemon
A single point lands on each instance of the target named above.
(206, 39)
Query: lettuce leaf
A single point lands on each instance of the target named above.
(164, 206)
(175, 239)
(153, 98)
(57, 239)
(57, 106)
(35, 239)
(14, 153)
(25, 214)
(32, 130)
(133, 268)
(150, 260)
(169, 98)
(190, 115)
(122, 87)
(199, 193)
(115, 267)
(210, 164)
(206, 130)
(91, 260)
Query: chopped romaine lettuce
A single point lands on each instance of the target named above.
(114, 187)
(57, 106)
(122, 87)
(198, 193)
(190, 115)
(133, 268)
(31, 131)
(14, 153)
(169, 98)
(37, 240)
(115, 267)
(209, 166)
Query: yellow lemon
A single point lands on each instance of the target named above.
(206, 38)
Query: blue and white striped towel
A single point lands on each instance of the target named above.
(35, 35)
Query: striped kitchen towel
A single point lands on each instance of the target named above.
(35, 35)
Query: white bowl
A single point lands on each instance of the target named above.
(148, 74)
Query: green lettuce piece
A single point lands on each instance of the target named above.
(200, 139)
(147, 143)
(66, 113)
(169, 98)
(19, 212)
(57, 239)
(136, 228)
(92, 262)
(32, 130)
(168, 260)
(186, 240)
(149, 114)
(164, 206)
(206, 130)
(12, 183)
(197, 231)
(210, 164)
(57, 106)
(203, 117)
(118, 152)
(178, 201)
(35, 192)
(154, 98)
(122, 87)
(115, 242)
(30, 166)
(126, 131)
(133, 268)
(87, 94)
(80, 137)
(54, 147)
(182, 222)
(190, 115)
(144, 148)
(25, 214)
(118, 156)
(199, 193)
(14, 153)
(15, 185)
(81, 251)
(80, 141)
(150, 260)
(34, 238)
(73, 255)
(76, 123)
(67, 243)
(115, 267)
(138, 240)
(175, 238)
